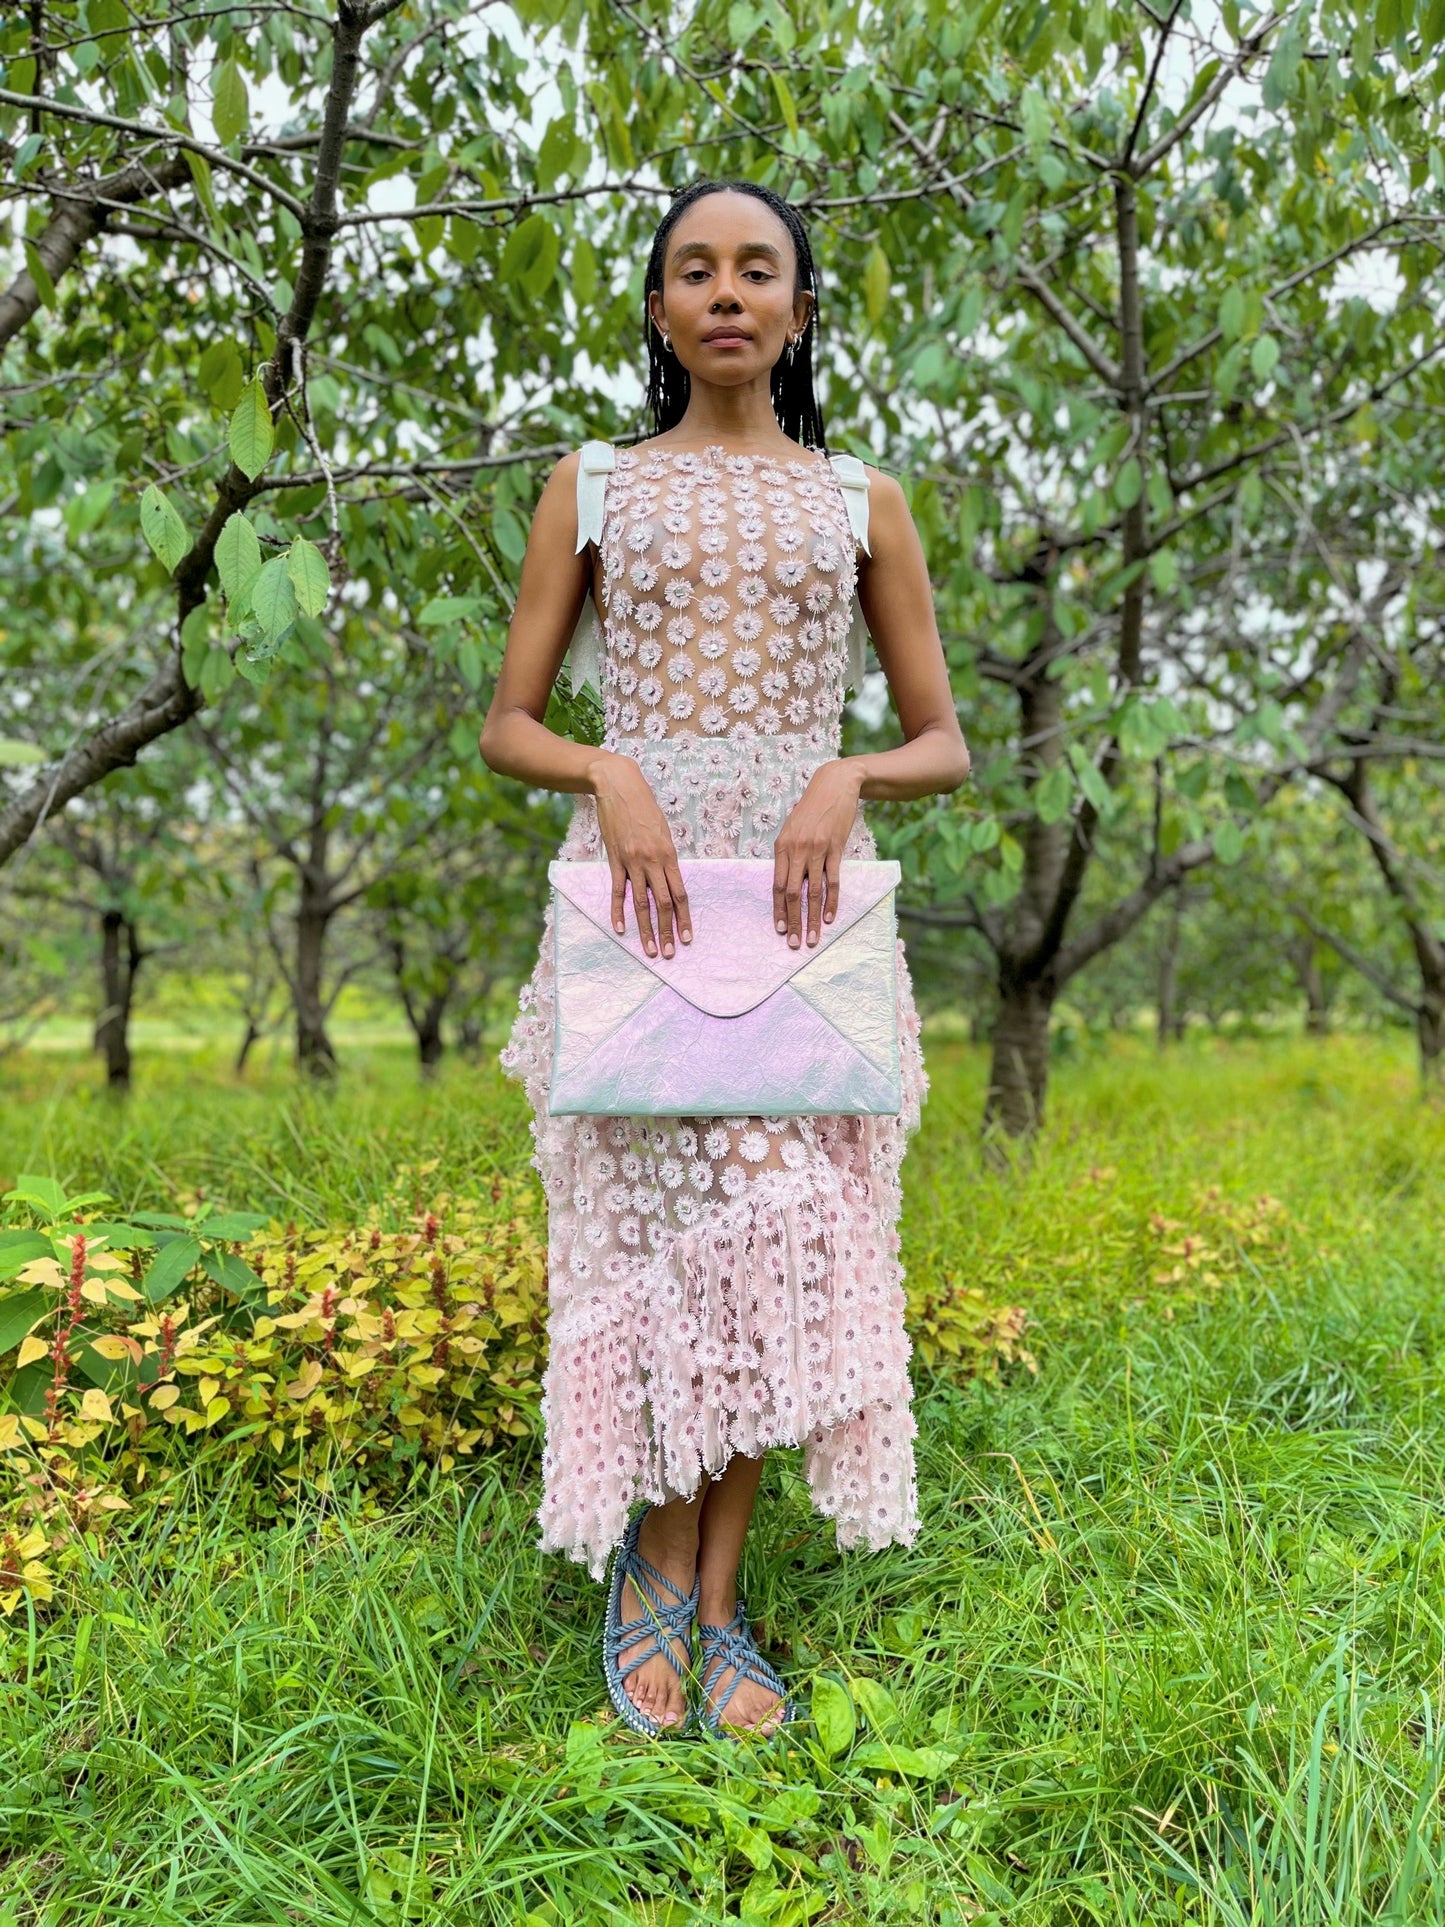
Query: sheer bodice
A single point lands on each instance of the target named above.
(728, 586)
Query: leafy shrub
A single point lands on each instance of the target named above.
(332, 1354)
(353, 1353)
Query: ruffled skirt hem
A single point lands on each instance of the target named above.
(770, 1323)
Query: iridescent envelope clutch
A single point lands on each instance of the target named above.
(734, 1024)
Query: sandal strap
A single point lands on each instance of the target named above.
(733, 1645)
(675, 1620)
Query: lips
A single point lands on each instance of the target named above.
(727, 334)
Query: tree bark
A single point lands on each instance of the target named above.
(1305, 963)
(1169, 1026)
(1018, 1075)
(249, 1040)
(1430, 1029)
(120, 959)
(314, 1053)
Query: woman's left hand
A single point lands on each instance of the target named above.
(810, 849)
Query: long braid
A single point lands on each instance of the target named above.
(668, 382)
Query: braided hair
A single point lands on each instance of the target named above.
(668, 382)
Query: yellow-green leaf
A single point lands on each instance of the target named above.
(877, 278)
(238, 554)
(310, 577)
(786, 102)
(251, 436)
(231, 106)
(162, 527)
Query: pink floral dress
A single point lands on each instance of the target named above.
(721, 1285)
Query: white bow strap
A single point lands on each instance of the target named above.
(584, 652)
(854, 479)
(597, 459)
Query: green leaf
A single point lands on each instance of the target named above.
(1037, 121)
(511, 537)
(1129, 483)
(230, 1224)
(230, 104)
(554, 156)
(1228, 843)
(531, 255)
(310, 577)
(273, 599)
(40, 275)
(251, 436)
(449, 608)
(238, 555)
(914, 1762)
(1263, 356)
(44, 1192)
(15, 753)
(833, 1716)
(1054, 794)
(221, 374)
(877, 1706)
(786, 102)
(1164, 570)
(162, 527)
(877, 279)
(233, 1274)
(20, 1313)
(1231, 313)
(17, 1248)
(171, 1267)
(86, 509)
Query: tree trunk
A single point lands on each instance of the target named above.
(1018, 1077)
(1430, 1029)
(251, 1037)
(313, 1047)
(120, 959)
(469, 1035)
(428, 1028)
(1304, 961)
(1168, 988)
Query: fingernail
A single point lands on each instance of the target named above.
(618, 927)
(687, 936)
(667, 950)
(781, 924)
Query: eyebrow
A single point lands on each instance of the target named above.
(748, 247)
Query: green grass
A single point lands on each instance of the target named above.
(1169, 1648)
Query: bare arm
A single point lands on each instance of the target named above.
(516, 742)
(897, 600)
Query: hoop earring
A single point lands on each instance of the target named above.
(792, 348)
(666, 342)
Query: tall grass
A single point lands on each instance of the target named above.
(1169, 1648)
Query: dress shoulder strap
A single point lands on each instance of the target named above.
(584, 651)
(853, 477)
(592, 472)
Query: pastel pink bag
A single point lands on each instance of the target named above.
(736, 1023)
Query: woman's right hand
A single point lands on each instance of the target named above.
(640, 851)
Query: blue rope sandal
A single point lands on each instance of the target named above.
(733, 1645)
(658, 1620)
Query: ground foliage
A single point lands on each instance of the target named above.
(1166, 1651)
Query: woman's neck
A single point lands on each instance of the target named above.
(740, 420)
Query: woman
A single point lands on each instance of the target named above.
(720, 1285)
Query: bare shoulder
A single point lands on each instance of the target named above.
(884, 490)
(556, 511)
(889, 515)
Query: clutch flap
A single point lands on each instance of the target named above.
(736, 959)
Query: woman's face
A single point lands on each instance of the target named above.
(729, 294)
